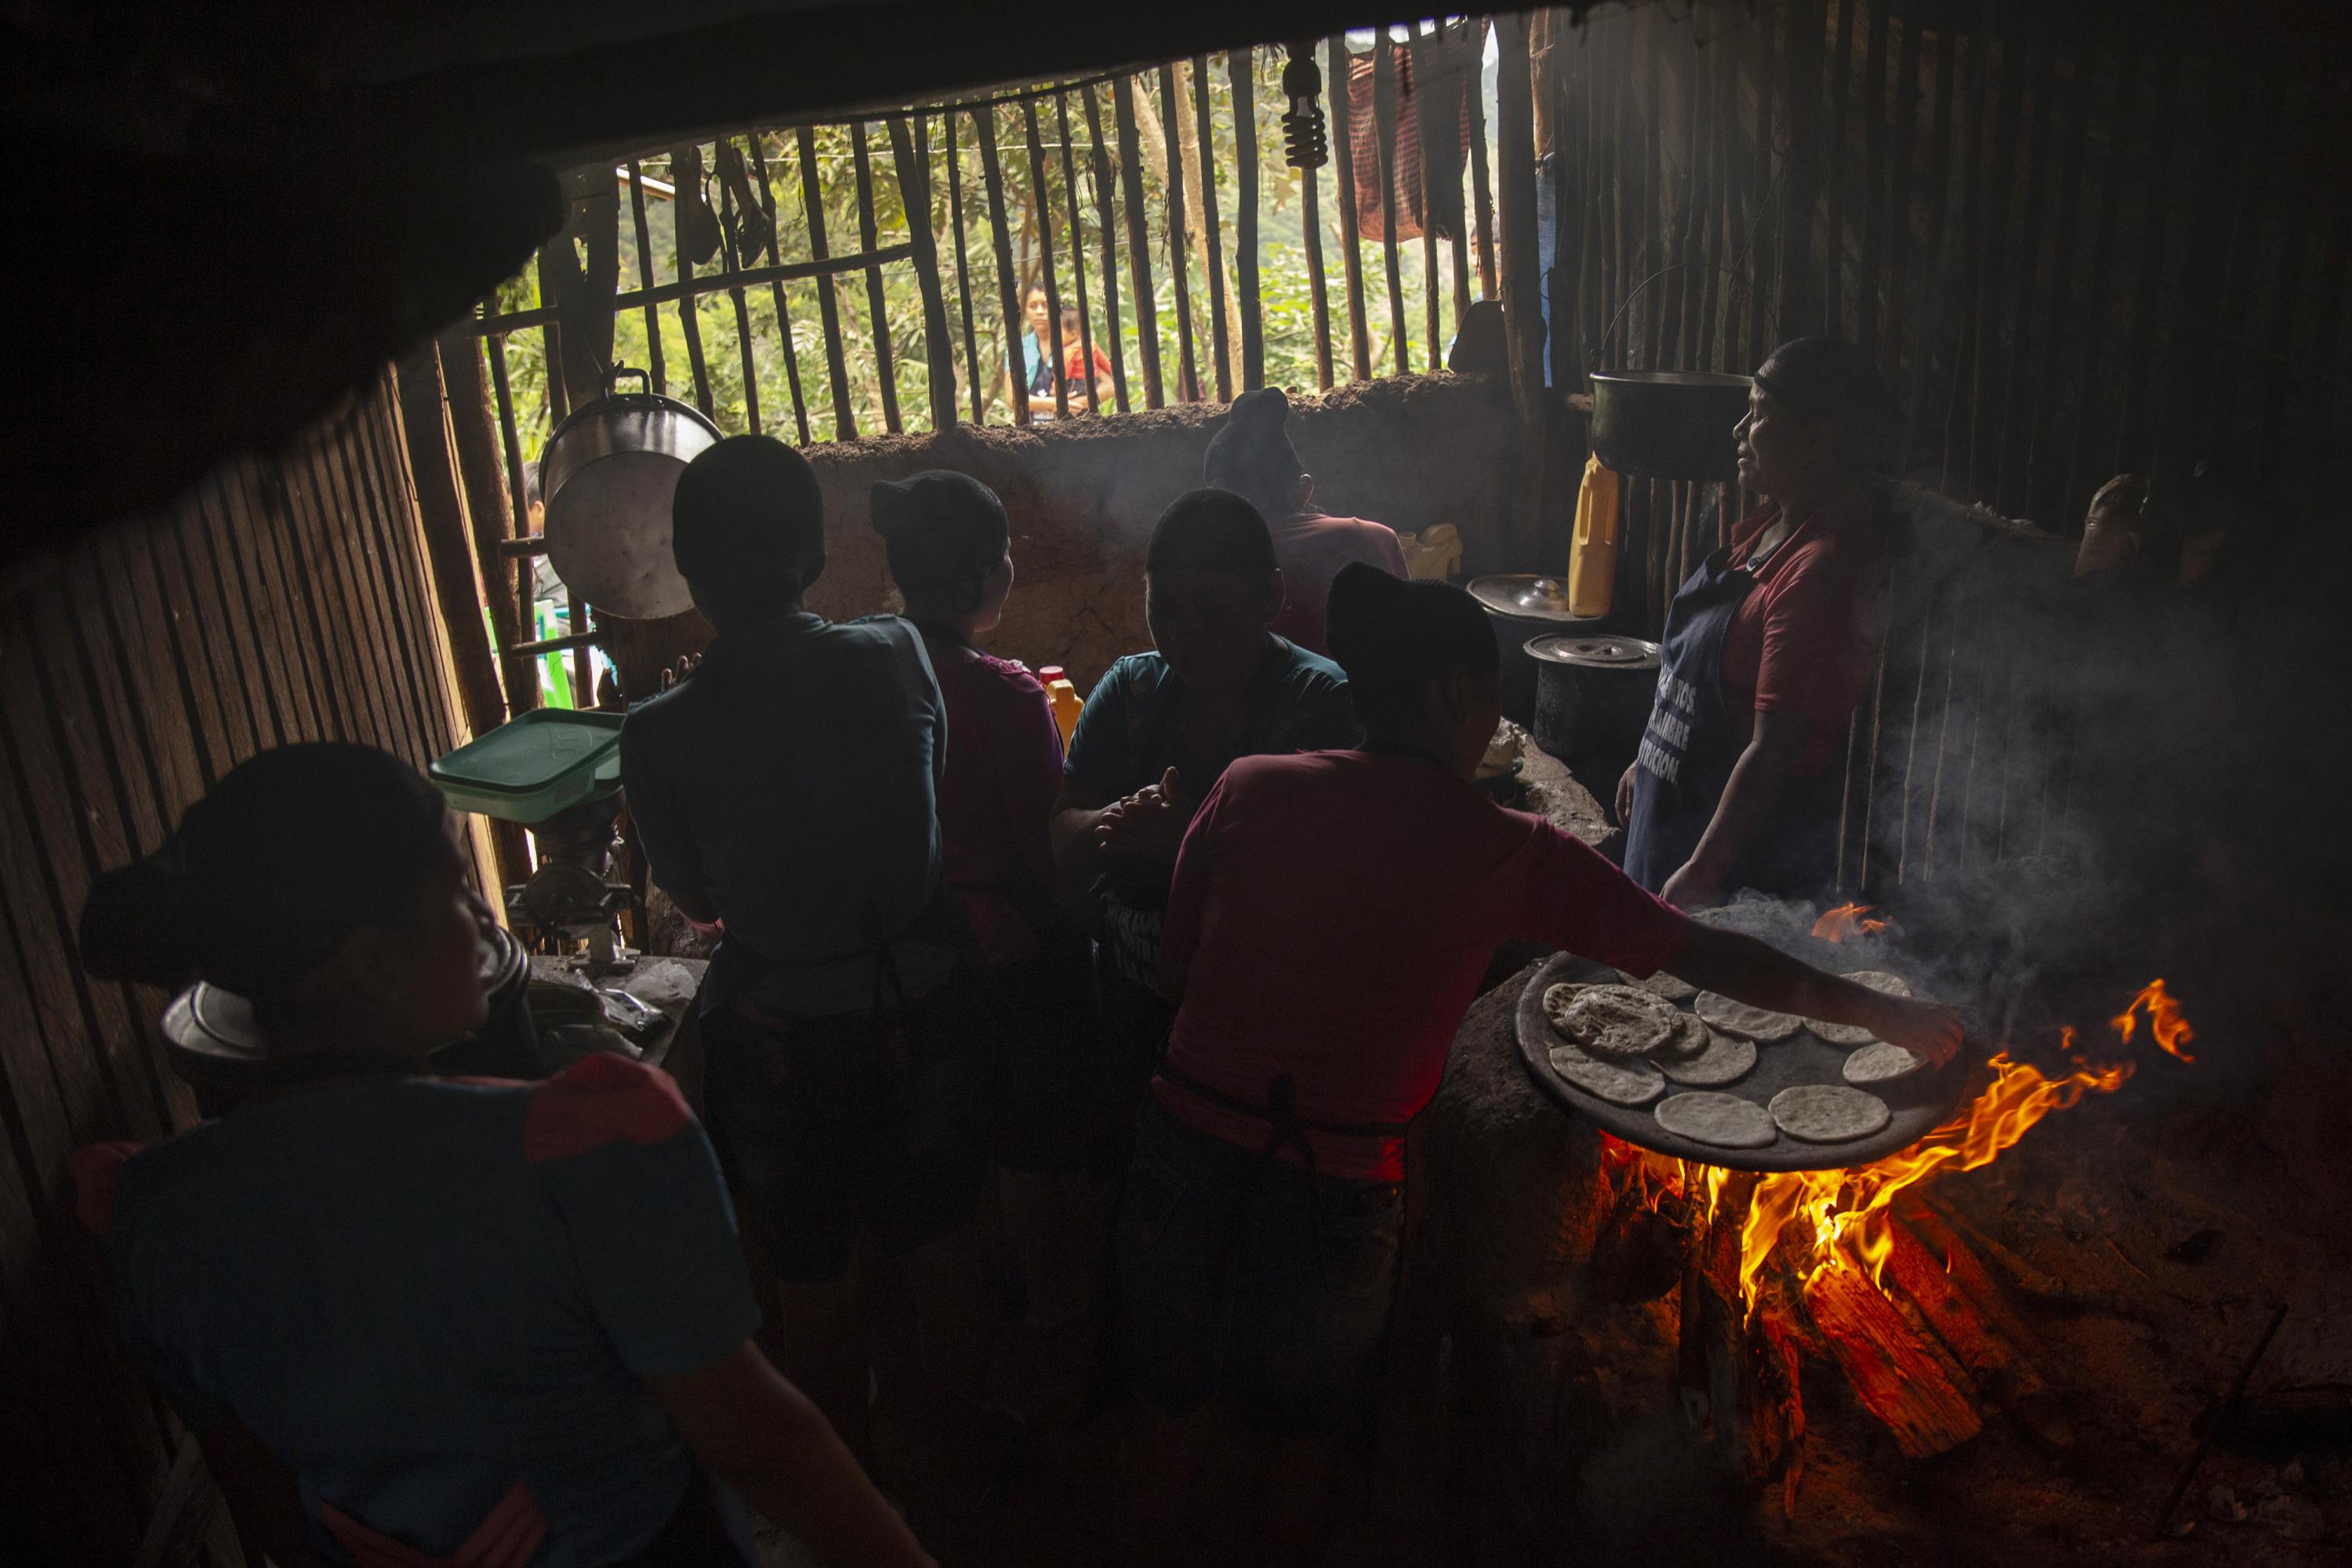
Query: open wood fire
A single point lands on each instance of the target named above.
(1864, 1268)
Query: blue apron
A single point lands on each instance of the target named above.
(1692, 743)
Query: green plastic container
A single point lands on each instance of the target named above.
(533, 765)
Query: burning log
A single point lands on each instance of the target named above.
(1997, 1362)
(1914, 1390)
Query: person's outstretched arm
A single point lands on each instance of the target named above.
(1745, 970)
(761, 1436)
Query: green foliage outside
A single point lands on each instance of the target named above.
(775, 353)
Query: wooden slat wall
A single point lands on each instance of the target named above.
(278, 602)
(2076, 247)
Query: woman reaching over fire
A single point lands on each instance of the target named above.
(413, 1319)
(1330, 918)
(1769, 645)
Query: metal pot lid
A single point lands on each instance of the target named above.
(1715, 379)
(1594, 653)
(1527, 597)
(217, 1024)
(608, 536)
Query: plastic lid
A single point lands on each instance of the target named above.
(531, 751)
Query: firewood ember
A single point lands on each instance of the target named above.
(1995, 1362)
(1903, 1382)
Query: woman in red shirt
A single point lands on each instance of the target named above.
(1767, 646)
(1321, 982)
(1252, 457)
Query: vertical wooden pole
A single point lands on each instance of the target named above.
(686, 171)
(1478, 158)
(1339, 93)
(474, 436)
(776, 290)
(1008, 282)
(524, 693)
(1522, 279)
(1468, 74)
(1220, 339)
(915, 195)
(1384, 125)
(441, 516)
(1417, 53)
(964, 273)
(2103, 250)
(1043, 192)
(1841, 73)
(1868, 278)
(1106, 226)
(644, 277)
(1078, 251)
(1318, 288)
(1241, 70)
(1900, 164)
(738, 260)
(844, 418)
(1138, 240)
(1187, 379)
(876, 300)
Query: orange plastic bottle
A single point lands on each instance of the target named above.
(1593, 556)
(1064, 697)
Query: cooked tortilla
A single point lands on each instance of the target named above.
(1672, 987)
(1724, 1121)
(1628, 1082)
(1724, 1058)
(1879, 1062)
(1739, 1019)
(1880, 981)
(1828, 1114)
(1618, 1021)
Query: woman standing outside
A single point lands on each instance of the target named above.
(1769, 646)
(1252, 455)
(416, 1319)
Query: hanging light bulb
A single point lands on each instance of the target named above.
(1305, 142)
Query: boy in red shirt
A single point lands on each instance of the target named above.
(1330, 918)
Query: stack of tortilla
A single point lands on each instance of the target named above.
(1628, 1042)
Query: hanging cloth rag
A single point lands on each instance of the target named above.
(1433, 74)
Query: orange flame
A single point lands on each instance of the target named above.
(1847, 921)
(1829, 1219)
(2164, 1020)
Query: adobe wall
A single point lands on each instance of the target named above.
(1083, 494)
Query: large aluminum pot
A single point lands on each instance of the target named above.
(1668, 424)
(607, 474)
(1593, 695)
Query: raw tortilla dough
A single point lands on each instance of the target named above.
(1828, 1114)
(1739, 1019)
(1725, 1058)
(1878, 1062)
(1674, 988)
(1628, 1082)
(1878, 980)
(1724, 1120)
(1618, 1021)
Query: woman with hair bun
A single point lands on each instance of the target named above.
(1769, 646)
(410, 1317)
(950, 549)
(1330, 918)
(1252, 457)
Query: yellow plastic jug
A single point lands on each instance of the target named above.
(1065, 698)
(1593, 554)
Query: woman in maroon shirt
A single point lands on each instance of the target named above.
(950, 557)
(1320, 984)
(1767, 646)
